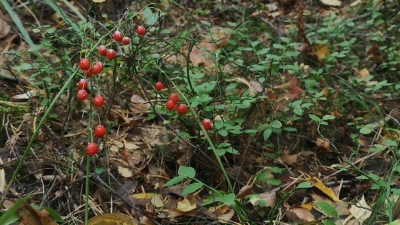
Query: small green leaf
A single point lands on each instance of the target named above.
(147, 13)
(228, 199)
(328, 222)
(186, 171)
(267, 133)
(276, 124)
(304, 185)
(328, 117)
(365, 130)
(223, 133)
(191, 188)
(273, 181)
(315, 118)
(174, 180)
(327, 209)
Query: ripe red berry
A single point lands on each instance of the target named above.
(110, 54)
(117, 36)
(100, 64)
(174, 97)
(99, 131)
(102, 50)
(82, 84)
(140, 30)
(159, 86)
(84, 64)
(87, 73)
(170, 105)
(207, 124)
(92, 149)
(82, 94)
(97, 68)
(181, 109)
(98, 101)
(126, 41)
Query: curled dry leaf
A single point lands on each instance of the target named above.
(187, 204)
(145, 198)
(299, 215)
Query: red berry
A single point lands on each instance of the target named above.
(170, 105)
(159, 86)
(98, 101)
(82, 94)
(100, 131)
(174, 97)
(181, 109)
(84, 64)
(97, 68)
(207, 124)
(83, 84)
(100, 64)
(140, 30)
(117, 36)
(110, 54)
(102, 50)
(126, 41)
(92, 149)
(87, 73)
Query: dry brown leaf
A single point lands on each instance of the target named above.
(225, 218)
(268, 198)
(98, 1)
(4, 27)
(111, 219)
(125, 172)
(290, 159)
(244, 191)
(300, 215)
(30, 216)
(135, 158)
(322, 142)
(187, 204)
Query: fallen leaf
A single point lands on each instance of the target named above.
(331, 2)
(321, 50)
(145, 198)
(364, 73)
(361, 210)
(5, 28)
(31, 216)
(98, 1)
(290, 159)
(322, 143)
(187, 204)
(125, 172)
(299, 215)
(318, 184)
(111, 219)
(244, 191)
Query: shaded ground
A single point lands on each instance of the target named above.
(342, 71)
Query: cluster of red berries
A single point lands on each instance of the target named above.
(172, 101)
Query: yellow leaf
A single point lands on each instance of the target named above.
(307, 206)
(144, 198)
(321, 50)
(111, 219)
(318, 184)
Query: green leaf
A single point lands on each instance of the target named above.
(315, 118)
(174, 180)
(278, 46)
(192, 188)
(327, 209)
(267, 133)
(298, 111)
(304, 185)
(186, 171)
(223, 133)
(147, 13)
(328, 117)
(276, 124)
(328, 222)
(228, 199)
(273, 181)
(365, 130)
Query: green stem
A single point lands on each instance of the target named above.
(35, 133)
